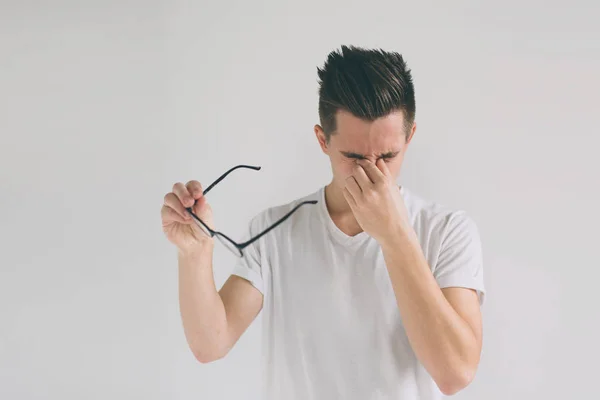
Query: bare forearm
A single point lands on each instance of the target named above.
(443, 342)
(202, 310)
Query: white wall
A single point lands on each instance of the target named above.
(105, 104)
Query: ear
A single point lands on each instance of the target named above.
(320, 134)
(412, 133)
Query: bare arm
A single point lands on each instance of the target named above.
(442, 325)
(213, 321)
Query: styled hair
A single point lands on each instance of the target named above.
(368, 83)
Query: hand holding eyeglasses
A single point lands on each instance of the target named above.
(187, 217)
(178, 224)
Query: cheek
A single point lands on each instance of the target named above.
(346, 168)
(394, 166)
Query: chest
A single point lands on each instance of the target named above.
(323, 287)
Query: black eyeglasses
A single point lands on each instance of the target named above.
(234, 247)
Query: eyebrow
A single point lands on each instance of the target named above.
(349, 154)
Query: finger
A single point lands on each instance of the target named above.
(183, 194)
(349, 198)
(199, 205)
(382, 166)
(195, 189)
(361, 177)
(353, 188)
(173, 202)
(374, 174)
(169, 215)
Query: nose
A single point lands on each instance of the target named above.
(372, 159)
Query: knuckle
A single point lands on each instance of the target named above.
(194, 187)
(172, 201)
(193, 183)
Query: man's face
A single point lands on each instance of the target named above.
(355, 139)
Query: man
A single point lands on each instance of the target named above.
(372, 293)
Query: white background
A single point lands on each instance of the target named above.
(105, 104)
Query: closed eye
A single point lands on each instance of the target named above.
(355, 156)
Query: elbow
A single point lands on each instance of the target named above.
(208, 348)
(456, 381)
(209, 352)
(207, 357)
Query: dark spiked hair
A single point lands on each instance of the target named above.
(368, 83)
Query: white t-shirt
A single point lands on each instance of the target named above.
(331, 325)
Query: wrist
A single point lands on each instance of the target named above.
(196, 251)
(399, 235)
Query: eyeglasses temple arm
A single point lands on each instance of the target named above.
(190, 209)
(219, 179)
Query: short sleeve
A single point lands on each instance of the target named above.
(460, 261)
(249, 265)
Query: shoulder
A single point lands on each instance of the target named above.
(436, 219)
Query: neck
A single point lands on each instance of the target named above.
(340, 212)
(336, 203)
